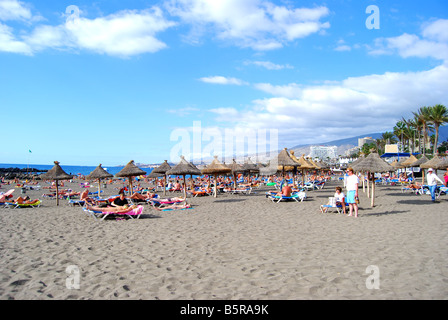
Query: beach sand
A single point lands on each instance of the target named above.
(229, 247)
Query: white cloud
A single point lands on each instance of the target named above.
(269, 65)
(8, 42)
(123, 34)
(255, 24)
(14, 10)
(432, 44)
(223, 80)
(343, 47)
(357, 105)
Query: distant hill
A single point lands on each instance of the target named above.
(342, 145)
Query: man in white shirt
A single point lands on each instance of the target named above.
(432, 179)
(352, 192)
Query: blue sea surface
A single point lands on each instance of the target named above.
(72, 170)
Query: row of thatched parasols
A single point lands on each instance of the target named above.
(374, 164)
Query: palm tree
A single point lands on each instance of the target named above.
(399, 131)
(418, 127)
(388, 137)
(438, 116)
(409, 132)
(423, 116)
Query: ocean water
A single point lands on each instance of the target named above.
(72, 170)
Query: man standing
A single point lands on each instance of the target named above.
(352, 192)
(432, 179)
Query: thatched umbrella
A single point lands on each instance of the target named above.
(130, 170)
(56, 173)
(408, 162)
(269, 170)
(420, 161)
(162, 169)
(443, 164)
(304, 165)
(235, 169)
(216, 168)
(99, 173)
(373, 164)
(184, 168)
(284, 160)
(250, 167)
(433, 163)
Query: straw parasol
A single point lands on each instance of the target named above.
(284, 160)
(250, 167)
(99, 173)
(374, 164)
(129, 171)
(56, 173)
(443, 164)
(304, 165)
(420, 161)
(235, 169)
(407, 163)
(269, 169)
(184, 168)
(162, 169)
(216, 168)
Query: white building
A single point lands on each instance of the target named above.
(323, 152)
(363, 141)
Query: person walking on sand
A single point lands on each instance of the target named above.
(432, 179)
(352, 192)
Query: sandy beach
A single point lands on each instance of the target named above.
(229, 247)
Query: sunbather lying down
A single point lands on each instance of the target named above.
(25, 200)
(175, 199)
(173, 207)
(144, 197)
(119, 209)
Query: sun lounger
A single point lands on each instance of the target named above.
(12, 205)
(73, 203)
(405, 188)
(101, 215)
(297, 196)
(163, 202)
(246, 190)
(440, 191)
(200, 193)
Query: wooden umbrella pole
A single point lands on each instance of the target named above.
(130, 186)
(185, 188)
(99, 187)
(216, 188)
(373, 194)
(164, 185)
(57, 192)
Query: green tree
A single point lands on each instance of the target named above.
(423, 115)
(438, 116)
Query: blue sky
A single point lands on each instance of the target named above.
(110, 81)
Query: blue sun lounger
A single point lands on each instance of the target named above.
(296, 196)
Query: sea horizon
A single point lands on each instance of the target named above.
(70, 169)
